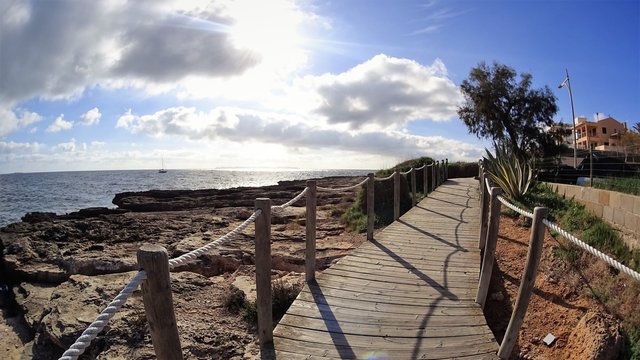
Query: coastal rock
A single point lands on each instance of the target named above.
(597, 336)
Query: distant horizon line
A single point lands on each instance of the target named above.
(226, 168)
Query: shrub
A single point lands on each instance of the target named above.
(513, 175)
(283, 294)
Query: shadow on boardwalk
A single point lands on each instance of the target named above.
(408, 294)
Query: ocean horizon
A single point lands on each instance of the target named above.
(62, 192)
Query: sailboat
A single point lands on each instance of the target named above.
(162, 169)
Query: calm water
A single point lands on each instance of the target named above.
(63, 192)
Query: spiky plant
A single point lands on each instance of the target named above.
(511, 173)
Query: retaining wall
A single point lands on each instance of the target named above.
(617, 208)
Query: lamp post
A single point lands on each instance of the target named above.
(573, 117)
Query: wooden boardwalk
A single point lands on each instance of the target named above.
(409, 294)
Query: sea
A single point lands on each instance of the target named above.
(64, 192)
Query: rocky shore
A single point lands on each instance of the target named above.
(59, 271)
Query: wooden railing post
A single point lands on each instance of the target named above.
(426, 179)
(484, 209)
(413, 187)
(310, 253)
(371, 216)
(527, 283)
(446, 169)
(158, 302)
(263, 273)
(490, 248)
(433, 176)
(437, 172)
(396, 195)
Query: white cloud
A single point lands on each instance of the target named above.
(250, 127)
(67, 146)
(60, 124)
(91, 117)
(384, 92)
(12, 147)
(151, 45)
(13, 120)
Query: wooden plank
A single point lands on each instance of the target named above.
(333, 296)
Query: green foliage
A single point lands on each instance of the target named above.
(355, 219)
(569, 253)
(499, 107)
(250, 312)
(507, 170)
(624, 185)
(633, 343)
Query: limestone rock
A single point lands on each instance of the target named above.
(597, 336)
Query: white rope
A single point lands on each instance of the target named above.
(606, 258)
(515, 208)
(203, 249)
(320, 188)
(101, 321)
(486, 181)
(430, 165)
(386, 178)
(406, 172)
(292, 201)
(421, 167)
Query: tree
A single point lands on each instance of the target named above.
(636, 128)
(509, 112)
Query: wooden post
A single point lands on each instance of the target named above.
(426, 181)
(263, 273)
(158, 302)
(437, 172)
(433, 176)
(446, 169)
(371, 215)
(413, 187)
(484, 210)
(490, 248)
(310, 260)
(527, 283)
(396, 195)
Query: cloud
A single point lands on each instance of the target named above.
(12, 147)
(67, 146)
(247, 126)
(91, 117)
(13, 120)
(383, 91)
(60, 124)
(73, 45)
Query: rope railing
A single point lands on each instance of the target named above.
(84, 340)
(292, 201)
(320, 188)
(421, 167)
(386, 178)
(515, 208)
(591, 250)
(406, 172)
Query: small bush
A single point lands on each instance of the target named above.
(250, 312)
(633, 343)
(355, 219)
(234, 300)
(624, 185)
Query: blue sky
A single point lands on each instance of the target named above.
(286, 83)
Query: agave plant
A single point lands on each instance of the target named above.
(511, 173)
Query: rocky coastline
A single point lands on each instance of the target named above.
(59, 271)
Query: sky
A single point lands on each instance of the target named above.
(327, 84)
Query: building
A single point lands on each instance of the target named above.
(603, 134)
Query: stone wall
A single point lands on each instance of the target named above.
(617, 208)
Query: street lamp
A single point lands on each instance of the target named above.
(573, 117)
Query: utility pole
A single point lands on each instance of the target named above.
(573, 117)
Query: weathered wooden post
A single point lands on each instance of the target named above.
(437, 172)
(371, 216)
(527, 283)
(446, 169)
(413, 187)
(263, 273)
(484, 209)
(310, 258)
(396, 195)
(490, 248)
(158, 301)
(426, 181)
(433, 176)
